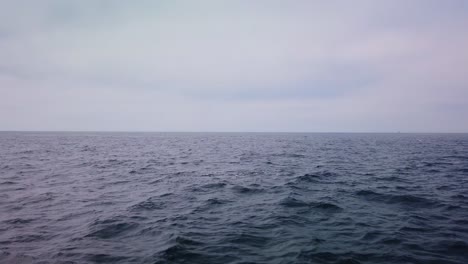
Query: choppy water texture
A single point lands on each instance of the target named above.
(233, 198)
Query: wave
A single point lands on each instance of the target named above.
(291, 202)
(105, 258)
(209, 187)
(110, 228)
(18, 221)
(149, 205)
(405, 199)
(246, 190)
(186, 250)
(240, 198)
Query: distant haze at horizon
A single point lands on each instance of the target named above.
(235, 66)
(219, 132)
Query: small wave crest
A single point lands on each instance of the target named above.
(110, 228)
(246, 190)
(404, 199)
(291, 202)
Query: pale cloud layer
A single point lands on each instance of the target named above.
(238, 65)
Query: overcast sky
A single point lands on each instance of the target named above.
(240, 65)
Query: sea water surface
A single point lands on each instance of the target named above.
(233, 198)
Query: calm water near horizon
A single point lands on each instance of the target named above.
(233, 198)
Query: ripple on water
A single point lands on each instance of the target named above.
(106, 258)
(110, 228)
(153, 203)
(210, 187)
(18, 221)
(404, 200)
(291, 202)
(185, 250)
(246, 190)
(233, 198)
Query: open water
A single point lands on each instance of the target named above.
(233, 198)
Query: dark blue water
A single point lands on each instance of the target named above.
(233, 198)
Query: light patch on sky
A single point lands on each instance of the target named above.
(319, 66)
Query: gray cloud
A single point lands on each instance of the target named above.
(234, 65)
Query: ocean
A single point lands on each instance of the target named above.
(233, 198)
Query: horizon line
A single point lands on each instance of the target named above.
(224, 131)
